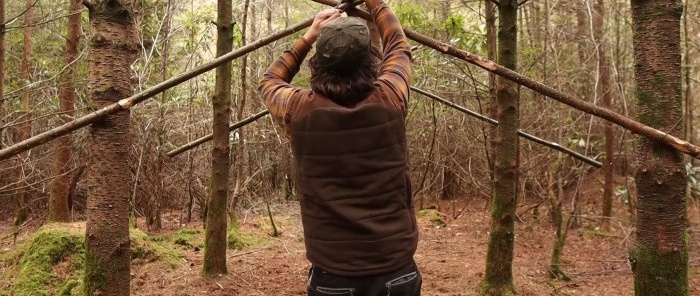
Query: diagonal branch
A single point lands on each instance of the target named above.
(521, 133)
(491, 66)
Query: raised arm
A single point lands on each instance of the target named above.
(395, 71)
(276, 92)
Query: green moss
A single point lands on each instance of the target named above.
(189, 238)
(47, 248)
(93, 273)
(239, 241)
(659, 273)
(72, 287)
(485, 289)
(146, 248)
(433, 216)
(53, 261)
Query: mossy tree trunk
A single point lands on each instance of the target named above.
(659, 257)
(113, 48)
(59, 205)
(215, 236)
(605, 95)
(498, 278)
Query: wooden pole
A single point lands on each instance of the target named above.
(129, 102)
(491, 66)
(525, 135)
(462, 109)
(233, 127)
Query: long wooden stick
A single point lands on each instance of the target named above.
(525, 135)
(530, 137)
(129, 102)
(488, 65)
(233, 127)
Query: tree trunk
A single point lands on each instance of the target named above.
(59, 206)
(2, 70)
(491, 48)
(582, 35)
(113, 48)
(498, 278)
(605, 95)
(688, 76)
(25, 126)
(154, 221)
(215, 237)
(659, 257)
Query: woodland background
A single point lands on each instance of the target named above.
(448, 150)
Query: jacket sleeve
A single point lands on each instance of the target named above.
(277, 94)
(395, 71)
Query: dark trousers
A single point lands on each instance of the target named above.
(405, 281)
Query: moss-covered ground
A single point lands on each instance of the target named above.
(50, 262)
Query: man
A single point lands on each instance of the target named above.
(348, 140)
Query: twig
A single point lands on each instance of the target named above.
(249, 252)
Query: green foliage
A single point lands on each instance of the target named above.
(410, 15)
(469, 38)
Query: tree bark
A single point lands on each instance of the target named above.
(659, 257)
(605, 95)
(59, 206)
(491, 54)
(215, 236)
(113, 48)
(498, 278)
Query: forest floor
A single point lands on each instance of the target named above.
(450, 257)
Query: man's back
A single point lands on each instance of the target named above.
(355, 191)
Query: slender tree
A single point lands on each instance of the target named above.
(242, 98)
(659, 257)
(154, 220)
(498, 278)
(604, 93)
(215, 236)
(113, 48)
(2, 68)
(25, 126)
(59, 199)
(491, 51)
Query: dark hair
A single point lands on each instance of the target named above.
(345, 87)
